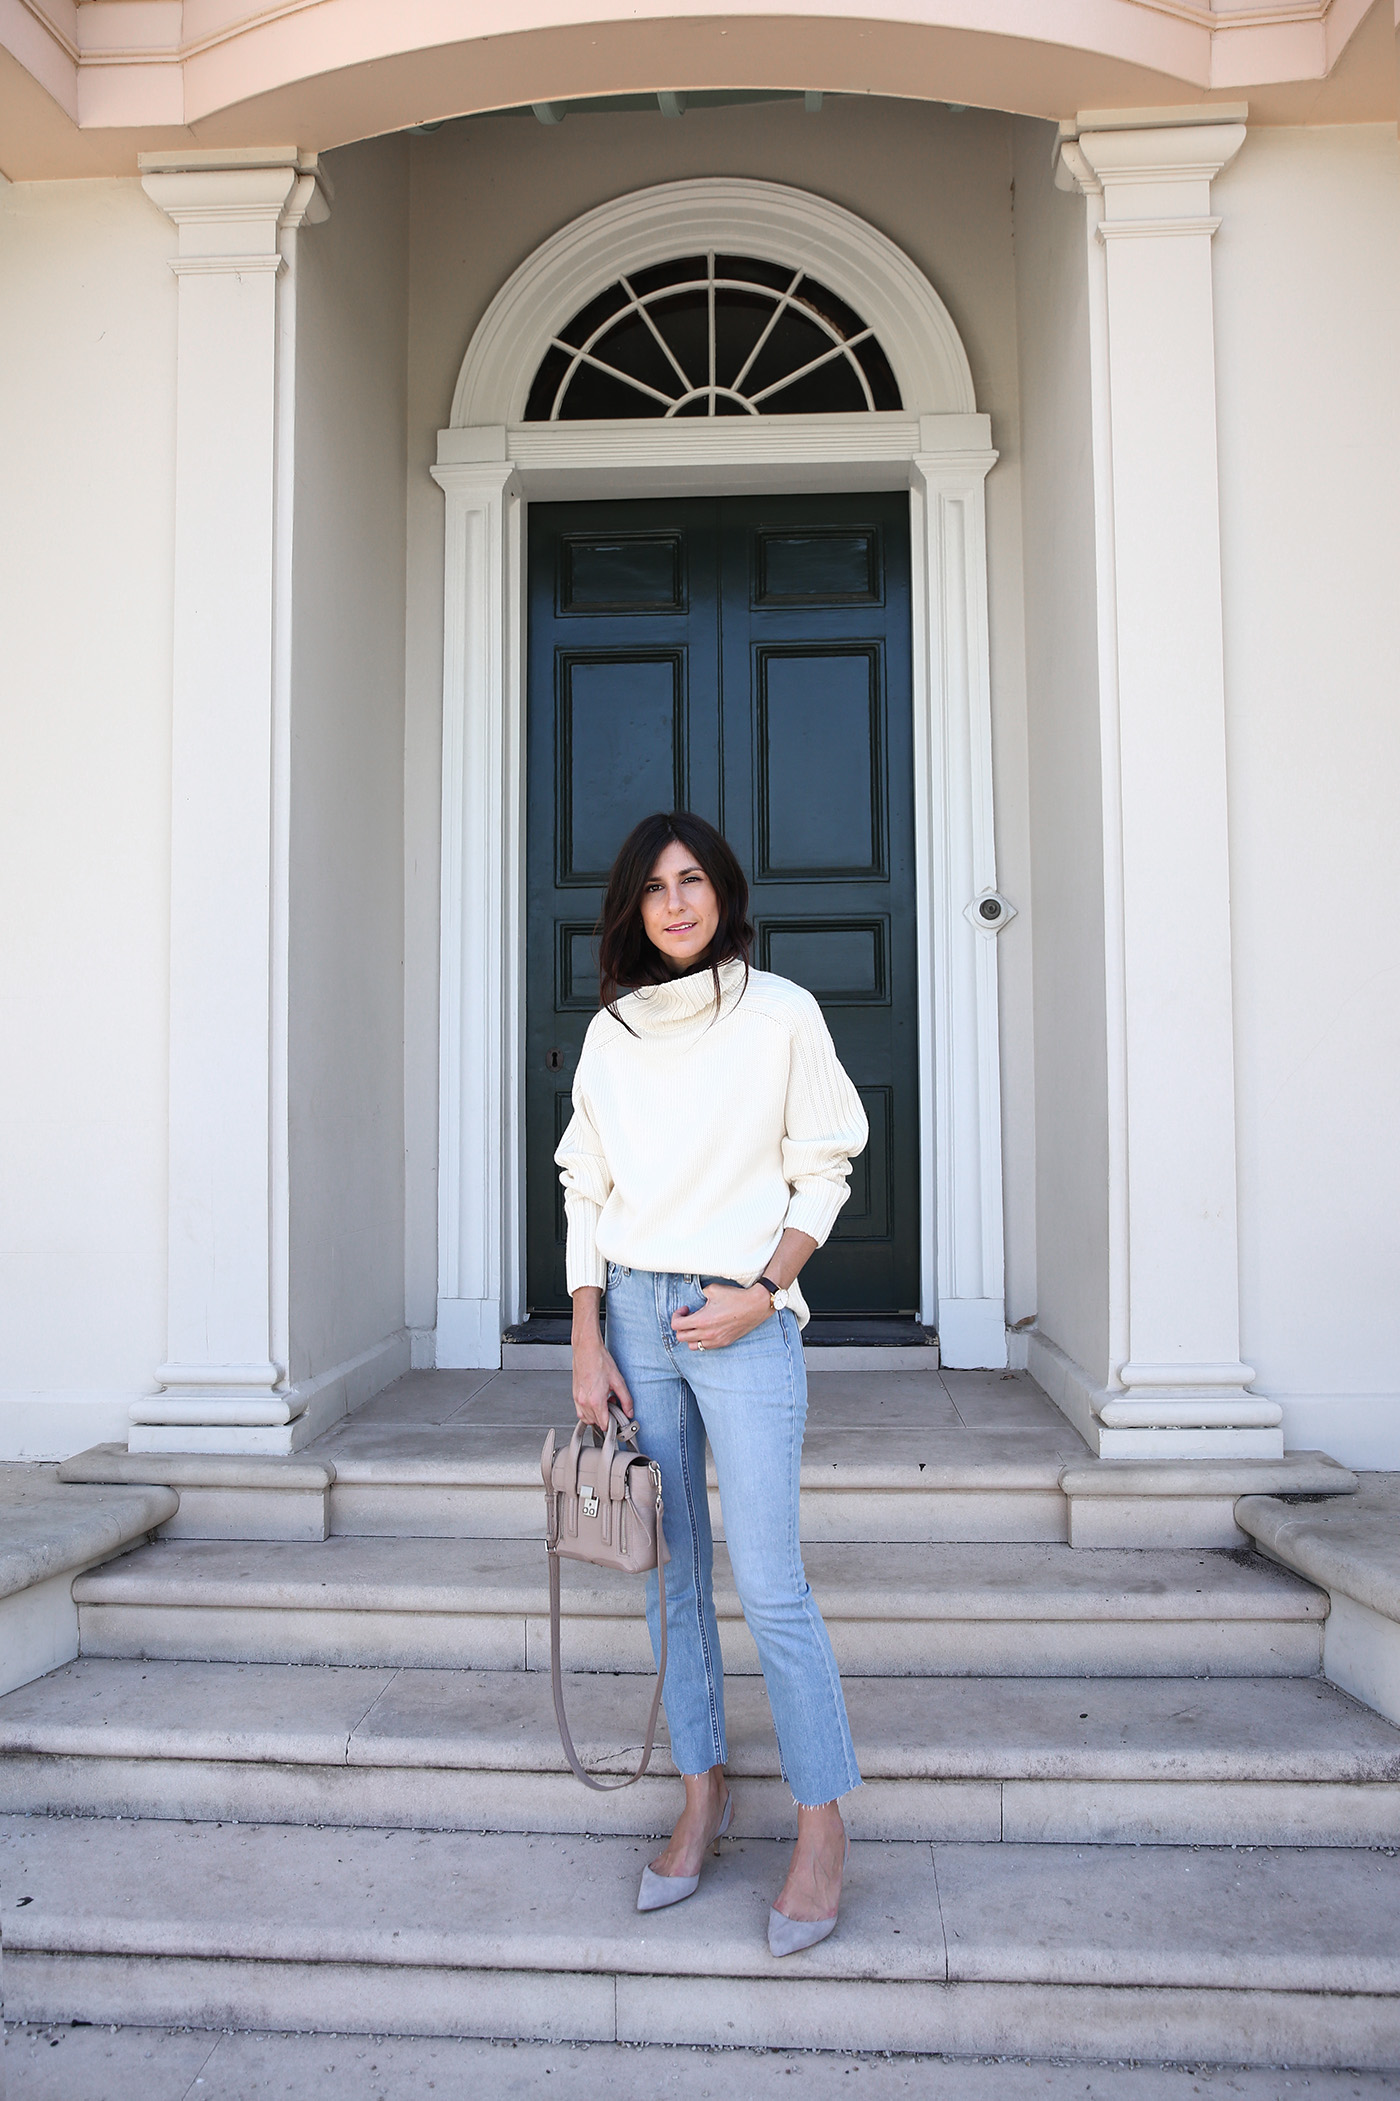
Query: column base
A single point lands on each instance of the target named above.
(220, 1414)
(1208, 1416)
(217, 1415)
(234, 1439)
(1225, 1441)
(1158, 1423)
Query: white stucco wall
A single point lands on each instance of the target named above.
(345, 1056)
(87, 415)
(1065, 777)
(1307, 287)
(485, 193)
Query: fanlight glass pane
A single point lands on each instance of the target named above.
(712, 335)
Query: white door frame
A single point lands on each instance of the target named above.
(490, 466)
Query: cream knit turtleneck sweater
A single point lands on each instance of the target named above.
(696, 1139)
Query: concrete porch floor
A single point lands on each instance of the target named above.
(958, 1404)
(993, 1430)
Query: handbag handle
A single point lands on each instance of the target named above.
(620, 1426)
(556, 1677)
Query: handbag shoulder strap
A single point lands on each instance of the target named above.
(556, 1675)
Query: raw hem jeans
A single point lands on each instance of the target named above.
(751, 1398)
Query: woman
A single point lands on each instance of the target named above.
(708, 1156)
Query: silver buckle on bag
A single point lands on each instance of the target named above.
(590, 1503)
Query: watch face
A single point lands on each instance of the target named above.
(780, 1299)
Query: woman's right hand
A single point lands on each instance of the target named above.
(597, 1381)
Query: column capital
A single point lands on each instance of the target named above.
(231, 206)
(478, 482)
(1153, 177)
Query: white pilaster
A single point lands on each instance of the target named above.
(479, 1098)
(226, 1371)
(1176, 1385)
(956, 855)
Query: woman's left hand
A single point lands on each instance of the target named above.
(728, 1312)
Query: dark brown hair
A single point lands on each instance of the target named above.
(626, 956)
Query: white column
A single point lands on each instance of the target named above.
(225, 1380)
(479, 1139)
(956, 854)
(1177, 1385)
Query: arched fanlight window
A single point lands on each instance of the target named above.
(712, 335)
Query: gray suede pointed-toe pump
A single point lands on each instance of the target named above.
(657, 1891)
(790, 1936)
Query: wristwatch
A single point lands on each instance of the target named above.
(776, 1293)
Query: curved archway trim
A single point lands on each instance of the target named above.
(768, 219)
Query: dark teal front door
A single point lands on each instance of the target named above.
(749, 659)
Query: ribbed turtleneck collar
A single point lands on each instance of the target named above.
(669, 1009)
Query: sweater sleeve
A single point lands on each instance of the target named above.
(587, 1186)
(825, 1127)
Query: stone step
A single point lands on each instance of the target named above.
(48, 1531)
(871, 1359)
(912, 1455)
(484, 1483)
(1141, 1761)
(134, 2064)
(890, 1455)
(1269, 1955)
(1351, 1547)
(913, 1482)
(893, 1611)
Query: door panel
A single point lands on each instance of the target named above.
(621, 741)
(867, 1213)
(821, 775)
(822, 566)
(839, 960)
(747, 658)
(622, 573)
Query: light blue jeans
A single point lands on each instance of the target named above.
(751, 1399)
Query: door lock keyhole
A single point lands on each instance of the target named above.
(554, 1060)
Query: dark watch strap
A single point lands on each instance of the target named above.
(769, 1286)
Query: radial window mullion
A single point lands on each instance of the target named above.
(670, 314)
(598, 364)
(780, 308)
(643, 309)
(710, 291)
(828, 328)
(814, 364)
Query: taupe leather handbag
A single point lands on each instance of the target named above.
(603, 1505)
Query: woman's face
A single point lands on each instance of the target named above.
(680, 910)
